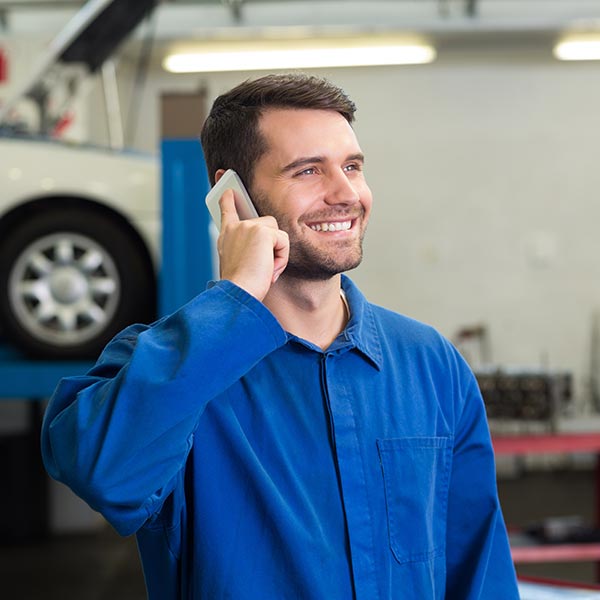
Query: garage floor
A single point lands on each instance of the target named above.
(99, 566)
(103, 566)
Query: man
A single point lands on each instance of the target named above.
(279, 437)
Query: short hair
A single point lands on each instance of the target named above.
(231, 138)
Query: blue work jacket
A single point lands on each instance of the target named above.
(251, 464)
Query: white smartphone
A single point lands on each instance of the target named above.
(243, 204)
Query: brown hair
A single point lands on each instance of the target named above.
(231, 138)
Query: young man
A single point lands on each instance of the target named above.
(279, 437)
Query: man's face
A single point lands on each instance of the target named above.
(311, 180)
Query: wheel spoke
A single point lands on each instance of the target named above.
(44, 312)
(95, 314)
(37, 289)
(104, 286)
(64, 251)
(90, 261)
(40, 263)
(67, 318)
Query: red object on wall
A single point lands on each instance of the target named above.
(3, 65)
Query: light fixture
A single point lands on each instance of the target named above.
(298, 54)
(578, 47)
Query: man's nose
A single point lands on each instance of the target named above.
(340, 189)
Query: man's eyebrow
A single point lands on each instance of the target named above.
(359, 156)
(300, 162)
(307, 160)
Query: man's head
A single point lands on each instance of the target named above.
(290, 139)
(231, 136)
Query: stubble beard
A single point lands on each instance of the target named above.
(307, 261)
(311, 263)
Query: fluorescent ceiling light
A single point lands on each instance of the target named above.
(285, 55)
(578, 48)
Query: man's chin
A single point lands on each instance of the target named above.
(321, 271)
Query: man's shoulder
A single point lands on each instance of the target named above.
(419, 344)
(400, 324)
(381, 313)
(392, 325)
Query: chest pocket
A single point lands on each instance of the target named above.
(416, 474)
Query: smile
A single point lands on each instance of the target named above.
(337, 226)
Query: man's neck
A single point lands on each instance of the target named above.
(312, 310)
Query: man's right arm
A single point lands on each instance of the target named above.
(120, 436)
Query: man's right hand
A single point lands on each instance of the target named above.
(252, 253)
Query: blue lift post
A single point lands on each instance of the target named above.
(187, 252)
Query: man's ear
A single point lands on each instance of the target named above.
(219, 174)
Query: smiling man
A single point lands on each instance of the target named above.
(279, 437)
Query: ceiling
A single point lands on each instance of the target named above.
(202, 19)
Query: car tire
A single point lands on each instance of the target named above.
(70, 279)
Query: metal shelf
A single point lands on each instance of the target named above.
(563, 443)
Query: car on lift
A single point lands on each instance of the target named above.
(79, 225)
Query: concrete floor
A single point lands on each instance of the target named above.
(98, 566)
(102, 566)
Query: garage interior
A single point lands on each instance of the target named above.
(482, 159)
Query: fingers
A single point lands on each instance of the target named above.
(229, 213)
(253, 253)
(281, 254)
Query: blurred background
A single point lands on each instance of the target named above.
(480, 122)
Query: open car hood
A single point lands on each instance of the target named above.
(90, 38)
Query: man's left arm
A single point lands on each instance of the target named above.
(479, 563)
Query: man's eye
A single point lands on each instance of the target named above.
(309, 171)
(352, 167)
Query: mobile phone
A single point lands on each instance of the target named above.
(230, 181)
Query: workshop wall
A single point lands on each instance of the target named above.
(484, 171)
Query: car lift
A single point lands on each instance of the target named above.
(186, 266)
(90, 38)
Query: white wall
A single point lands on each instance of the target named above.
(486, 176)
(485, 171)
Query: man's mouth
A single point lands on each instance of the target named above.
(331, 226)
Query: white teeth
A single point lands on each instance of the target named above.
(338, 226)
